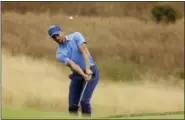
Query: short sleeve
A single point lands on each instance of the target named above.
(79, 38)
(62, 58)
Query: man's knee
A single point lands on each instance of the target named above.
(73, 109)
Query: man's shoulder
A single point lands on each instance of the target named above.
(59, 49)
(74, 34)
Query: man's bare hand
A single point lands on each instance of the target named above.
(89, 74)
(88, 71)
(87, 77)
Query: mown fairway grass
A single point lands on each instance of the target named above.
(179, 116)
(12, 113)
(166, 115)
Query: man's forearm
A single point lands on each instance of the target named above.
(77, 69)
(84, 52)
(86, 60)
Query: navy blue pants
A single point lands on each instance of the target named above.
(76, 86)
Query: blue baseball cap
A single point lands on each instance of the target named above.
(53, 30)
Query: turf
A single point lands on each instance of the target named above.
(180, 116)
(10, 113)
(167, 115)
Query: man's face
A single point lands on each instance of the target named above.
(59, 38)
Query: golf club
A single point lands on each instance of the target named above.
(82, 93)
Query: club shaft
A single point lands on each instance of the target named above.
(82, 93)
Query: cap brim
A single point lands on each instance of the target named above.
(55, 33)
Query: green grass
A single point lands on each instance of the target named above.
(10, 113)
(165, 115)
(180, 116)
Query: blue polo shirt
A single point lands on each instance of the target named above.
(70, 50)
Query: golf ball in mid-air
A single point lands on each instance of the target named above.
(71, 17)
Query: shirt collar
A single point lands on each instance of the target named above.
(67, 38)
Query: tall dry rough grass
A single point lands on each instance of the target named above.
(138, 10)
(127, 42)
(40, 84)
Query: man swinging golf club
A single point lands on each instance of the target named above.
(72, 52)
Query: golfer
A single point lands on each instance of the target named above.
(72, 52)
